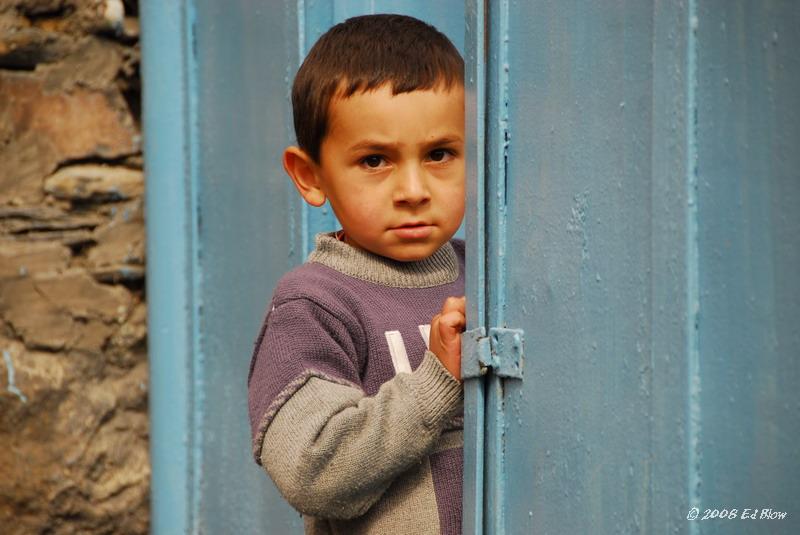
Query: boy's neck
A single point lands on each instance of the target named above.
(332, 250)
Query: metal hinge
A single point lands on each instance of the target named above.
(502, 351)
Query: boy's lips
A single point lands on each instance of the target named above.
(413, 230)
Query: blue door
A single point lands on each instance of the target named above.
(634, 349)
(633, 293)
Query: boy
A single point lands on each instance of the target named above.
(354, 386)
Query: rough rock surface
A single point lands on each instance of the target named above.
(95, 182)
(73, 335)
(42, 129)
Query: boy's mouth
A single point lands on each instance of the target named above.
(413, 224)
(413, 230)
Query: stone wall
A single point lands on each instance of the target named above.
(73, 372)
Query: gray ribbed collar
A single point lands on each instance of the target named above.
(439, 268)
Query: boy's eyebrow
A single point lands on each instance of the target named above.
(445, 140)
(371, 144)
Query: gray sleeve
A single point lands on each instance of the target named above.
(332, 451)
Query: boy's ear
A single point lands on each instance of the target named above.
(305, 175)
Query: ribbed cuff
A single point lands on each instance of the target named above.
(439, 394)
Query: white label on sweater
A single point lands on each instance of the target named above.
(425, 331)
(398, 351)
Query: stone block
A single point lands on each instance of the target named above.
(20, 258)
(95, 183)
(91, 63)
(23, 46)
(29, 381)
(126, 346)
(26, 219)
(75, 456)
(69, 310)
(120, 250)
(45, 127)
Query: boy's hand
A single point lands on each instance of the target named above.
(446, 329)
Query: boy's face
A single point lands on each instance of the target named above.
(392, 167)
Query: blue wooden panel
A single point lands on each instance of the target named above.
(314, 19)
(642, 184)
(672, 269)
(447, 16)
(574, 201)
(221, 229)
(748, 193)
(248, 236)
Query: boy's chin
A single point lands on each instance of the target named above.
(411, 252)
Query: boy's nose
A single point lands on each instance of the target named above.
(412, 186)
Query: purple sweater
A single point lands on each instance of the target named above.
(357, 423)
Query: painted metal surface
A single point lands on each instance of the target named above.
(748, 223)
(499, 353)
(577, 263)
(672, 272)
(641, 230)
(476, 353)
(249, 236)
(221, 228)
(475, 227)
(495, 184)
(314, 19)
(170, 294)
(507, 352)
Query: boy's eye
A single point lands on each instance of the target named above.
(439, 155)
(373, 161)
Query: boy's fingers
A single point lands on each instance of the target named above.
(454, 303)
(453, 317)
(453, 321)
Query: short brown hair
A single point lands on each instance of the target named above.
(364, 53)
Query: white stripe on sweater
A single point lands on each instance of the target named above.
(398, 350)
(425, 331)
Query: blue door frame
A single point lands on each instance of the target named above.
(633, 183)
